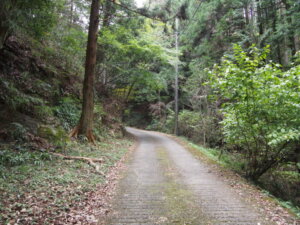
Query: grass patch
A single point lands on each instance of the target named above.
(220, 157)
(40, 193)
(289, 205)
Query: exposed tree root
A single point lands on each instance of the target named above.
(91, 138)
(91, 161)
(74, 132)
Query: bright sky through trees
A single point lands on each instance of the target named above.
(140, 3)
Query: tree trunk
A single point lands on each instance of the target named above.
(72, 12)
(3, 35)
(4, 28)
(297, 42)
(85, 126)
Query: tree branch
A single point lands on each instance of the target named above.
(91, 161)
(138, 12)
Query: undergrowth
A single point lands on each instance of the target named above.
(39, 188)
(68, 112)
(221, 157)
(286, 204)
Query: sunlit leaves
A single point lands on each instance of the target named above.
(262, 106)
(133, 59)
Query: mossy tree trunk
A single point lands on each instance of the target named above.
(85, 125)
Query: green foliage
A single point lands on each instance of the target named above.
(199, 127)
(67, 47)
(170, 121)
(17, 131)
(56, 136)
(43, 112)
(35, 17)
(17, 158)
(224, 158)
(16, 99)
(189, 123)
(68, 111)
(261, 109)
(289, 205)
(286, 204)
(133, 59)
(62, 182)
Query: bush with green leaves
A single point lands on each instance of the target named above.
(199, 127)
(16, 99)
(16, 132)
(189, 123)
(261, 109)
(68, 111)
(36, 17)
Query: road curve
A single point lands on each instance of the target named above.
(166, 184)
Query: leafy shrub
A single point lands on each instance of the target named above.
(194, 125)
(17, 100)
(57, 136)
(43, 112)
(170, 122)
(284, 183)
(261, 113)
(17, 132)
(44, 89)
(189, 125)
(68, 111)
(35, 17)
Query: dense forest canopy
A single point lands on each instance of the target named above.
(238, 63)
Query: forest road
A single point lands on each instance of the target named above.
(166, 184)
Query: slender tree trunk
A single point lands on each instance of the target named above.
(3, 35)
(85, 126)
(4, 28)
(106, 21)
(297, 42)
(259, 17)
(176, 79)
(72, 12)
(292, 33)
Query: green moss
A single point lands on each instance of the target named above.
(43, 112)
(57, 136)
(179, 202)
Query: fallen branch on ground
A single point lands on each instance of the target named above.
(91, 161)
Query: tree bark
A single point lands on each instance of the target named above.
(3, 35)
(4, 28)
(72, 12)
(85, 126)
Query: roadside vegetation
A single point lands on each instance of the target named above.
(40, 188)
(233, 162)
